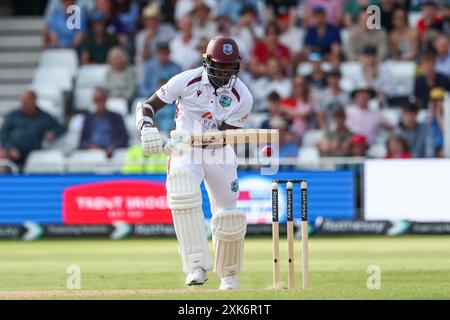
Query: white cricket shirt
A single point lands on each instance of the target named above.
(199, 107)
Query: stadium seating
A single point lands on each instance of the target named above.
(91, 75)
(377, 150)
(70, 140)
(118, 105)
(305, 68)
(422, 116)
(118, 159)
(130, 124)
(87, 161)
(53, 108)
(67, 142)
(413, 18)
(47, 91)
(347, 70)
(83, 99)
(256, 119)
(393, 115)
(53, 75)
(403, 73)
(64, 58)
(45, 161)
(309, 156)
(312, 137)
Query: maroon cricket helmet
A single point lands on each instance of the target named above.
(222, 61)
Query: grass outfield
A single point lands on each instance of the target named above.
(412, 267)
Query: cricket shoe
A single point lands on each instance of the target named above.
(197, 276)
(230, 282)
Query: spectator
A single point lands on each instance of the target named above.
(373, 73)
(183, 47)
(157, 68)
(291, 36)
(337, 141)
(25, 129)
(269, 47)
(322, 36)
(86, 6)
(56, 33)
(362, 120)
(397, 148)
(352, 9)
(114, 25)
(358, 146)
(436, 119)
(98, 42)
(152, 34)
(360, 36)
(234, 8)
(445, 15)
(224, 27)
(288, 147)
(428, 79)
(403, 40)
(274, 81)
(298, 107)
(442, 47)
(417, 135)
(204, 25)
(332, 10)
(127, 11)
(281, 9)
(120, 79)
(168, 10)
(103, 129)
(202, 44)
(327, 99)
(430, 23)
(317, 79)
(273, 109)
(247, 30)
(387, 8)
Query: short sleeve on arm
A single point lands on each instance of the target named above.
(170, 91)
(240, 116)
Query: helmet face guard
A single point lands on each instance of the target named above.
(222, 75)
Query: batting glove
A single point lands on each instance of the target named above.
(151, 141)
(178, 145)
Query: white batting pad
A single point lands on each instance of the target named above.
(185, 200)
(228, 231)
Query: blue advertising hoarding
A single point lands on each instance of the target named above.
(39, 198)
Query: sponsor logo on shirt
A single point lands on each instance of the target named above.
(225, 101)
(208, 122)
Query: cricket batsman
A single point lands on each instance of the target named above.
(213, 98)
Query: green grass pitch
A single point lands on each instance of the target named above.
(412, 267)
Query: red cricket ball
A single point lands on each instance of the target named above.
(267, 151)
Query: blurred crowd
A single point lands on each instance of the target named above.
(293, 52)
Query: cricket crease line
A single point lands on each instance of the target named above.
(131, 292)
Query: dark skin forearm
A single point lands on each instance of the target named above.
(156, 103)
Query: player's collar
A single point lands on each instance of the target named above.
(205, 79)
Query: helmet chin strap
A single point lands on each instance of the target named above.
(214, 84)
